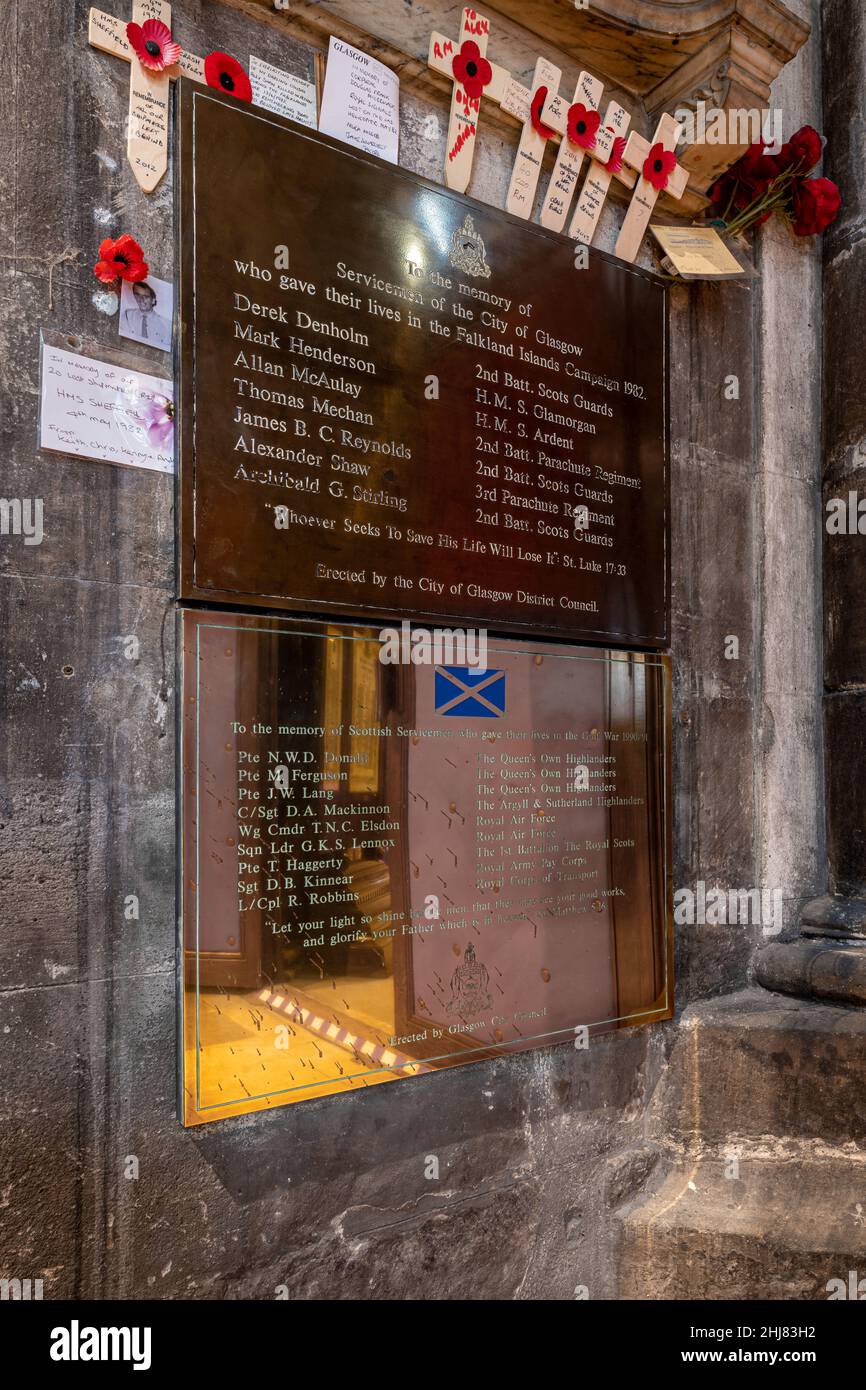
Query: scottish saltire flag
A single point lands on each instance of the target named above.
(466, 693)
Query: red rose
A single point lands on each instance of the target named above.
(721, 192)
(535, 111)
(802, 151)
(756, 169)
(745, 181)
(120, 260)
(816, 205)
(746, 162)
(225, 72)
(471, 70)
(658, 166)
(582, 126)
(762, 173)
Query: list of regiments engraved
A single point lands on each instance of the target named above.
(391, 867)
(398, 401)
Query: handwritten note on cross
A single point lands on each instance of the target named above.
(526, 106)
(147, 133)
(578, 124)
(465, 62)
(607, 164)
(659, 172)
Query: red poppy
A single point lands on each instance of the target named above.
(120, 260)
(153, 43)
(535, 111)
(658, 166)
(225, 72)
(802, 151)
(582, 126)
(471, 70)
(816, 205)
(614, 164)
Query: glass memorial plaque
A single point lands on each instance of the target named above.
(398, 401)
(390, 867)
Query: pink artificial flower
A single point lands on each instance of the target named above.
(158, 419)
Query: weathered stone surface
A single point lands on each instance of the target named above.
(834, 916)
(716, 422)
(43, 1166)
(770, 1059)
(712, 602)
(843, 26)
(762, 1099)
(706, 1236)
(712, 788)
(844, 403)
(329, 1198)
(844, 716)
(844, 584)
(814, 969)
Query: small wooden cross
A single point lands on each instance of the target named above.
(147, 133)
(659, 172)
(575, 124)
(473, 76)
(526, 106)
(607, 163)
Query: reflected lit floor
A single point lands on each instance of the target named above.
(244, 1057)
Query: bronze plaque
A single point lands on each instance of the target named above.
(389, 869)
(397, 400)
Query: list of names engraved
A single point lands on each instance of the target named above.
(395, 400)
(388, 869)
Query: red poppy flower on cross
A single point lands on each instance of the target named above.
(153, 44)
(527, 105)
(155, 60)
(471, 69)
(656, 162)
(582, 126)
(578, 126)
(465, 63)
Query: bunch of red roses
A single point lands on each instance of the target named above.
(760, 184)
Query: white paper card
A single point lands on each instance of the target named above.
(361, 101)
(145, 312)
(283, 93)
(99, 411)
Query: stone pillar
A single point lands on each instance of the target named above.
(829, 958)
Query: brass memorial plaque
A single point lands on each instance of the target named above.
(389, 869)
(397, 400)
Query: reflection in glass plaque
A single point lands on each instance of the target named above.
(389, 869)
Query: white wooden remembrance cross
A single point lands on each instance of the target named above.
(147, 132)
(659, 173)
(577, 124)
(526, 106)
(465, 62)
(607, 163)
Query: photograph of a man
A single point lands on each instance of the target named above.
(145, 312)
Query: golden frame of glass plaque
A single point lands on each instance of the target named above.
(389, 869)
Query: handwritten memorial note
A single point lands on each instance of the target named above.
(100, 411)
(361, 101)
(283, 92)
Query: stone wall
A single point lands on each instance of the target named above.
(845, 449)
(330, 1197)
